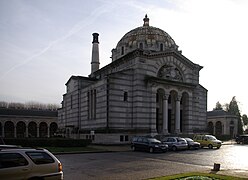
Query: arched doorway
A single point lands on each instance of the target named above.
(231, 131)
(159, 110)
(53, 129)
(184, 112)
(43, 129)
(218, 128)
(172, 111)
(1, 129)
(32, 129)
(9, 129)
(20, 129)
(210, 128)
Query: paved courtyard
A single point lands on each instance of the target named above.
(141, 165)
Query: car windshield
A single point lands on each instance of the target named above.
(188, 139)
(153, 141)
(211, 137)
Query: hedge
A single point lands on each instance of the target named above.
(47, 142)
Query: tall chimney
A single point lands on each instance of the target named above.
(95, 53)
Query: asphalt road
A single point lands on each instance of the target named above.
(143, 165)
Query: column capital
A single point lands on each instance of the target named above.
(166, 96)
(179, 97)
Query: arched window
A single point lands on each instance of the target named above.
(125, 96)
(122, 50)
(161, 47)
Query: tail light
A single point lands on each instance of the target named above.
(60, 167)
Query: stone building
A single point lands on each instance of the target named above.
(221, 122)
(20, 123)
(148, 88)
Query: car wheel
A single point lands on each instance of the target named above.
(151, 150)
(174, 148)
(210, 146)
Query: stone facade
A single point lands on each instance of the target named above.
(221, 122)
(20, 123)
(148, 88)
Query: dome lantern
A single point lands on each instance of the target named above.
(147, 38)
(146, 21)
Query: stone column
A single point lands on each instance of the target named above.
(48, 131)
(165, 115)
(38, 132)
(177, 127)
(15, 131)
(26, 131)
(2, 130)
(214, 128)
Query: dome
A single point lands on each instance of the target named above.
(145, 37)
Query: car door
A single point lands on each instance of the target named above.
(13, 166)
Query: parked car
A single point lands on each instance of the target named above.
(192, 144)
(175, 143)
(209, 141)
(242, 139)
(147, 144)
(5, 146)
(29, 163)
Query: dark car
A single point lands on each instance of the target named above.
(175, 143)
(242, 139)
(192, 144)
(148, 144)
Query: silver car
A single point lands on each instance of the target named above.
(28, 163)
(175, 143)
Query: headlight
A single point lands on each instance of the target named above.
(156, 146)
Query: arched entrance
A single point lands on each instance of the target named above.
(1, 129)
(53, 129)
(43, 129)
(32, 129)
(159, 110)
(210, 127)
(172, 112)
(20, 129)
(9, 129)
(218, 128)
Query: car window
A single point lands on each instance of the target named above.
(145, 140)
(40, 157)
(140, 139)
(134, 139)
(171, 140)
(211, 138)
(8, 160)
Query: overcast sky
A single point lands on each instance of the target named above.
(44, 42)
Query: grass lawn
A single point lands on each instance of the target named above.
(197, 176)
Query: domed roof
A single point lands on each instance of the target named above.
(145, 37)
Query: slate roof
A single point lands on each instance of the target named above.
(28, 112)
(218, 113)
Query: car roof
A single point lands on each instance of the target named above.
(21, 149)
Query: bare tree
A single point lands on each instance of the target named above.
(29, 105)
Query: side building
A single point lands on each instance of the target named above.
(24, 123)
(148, 88)
(221, 123)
